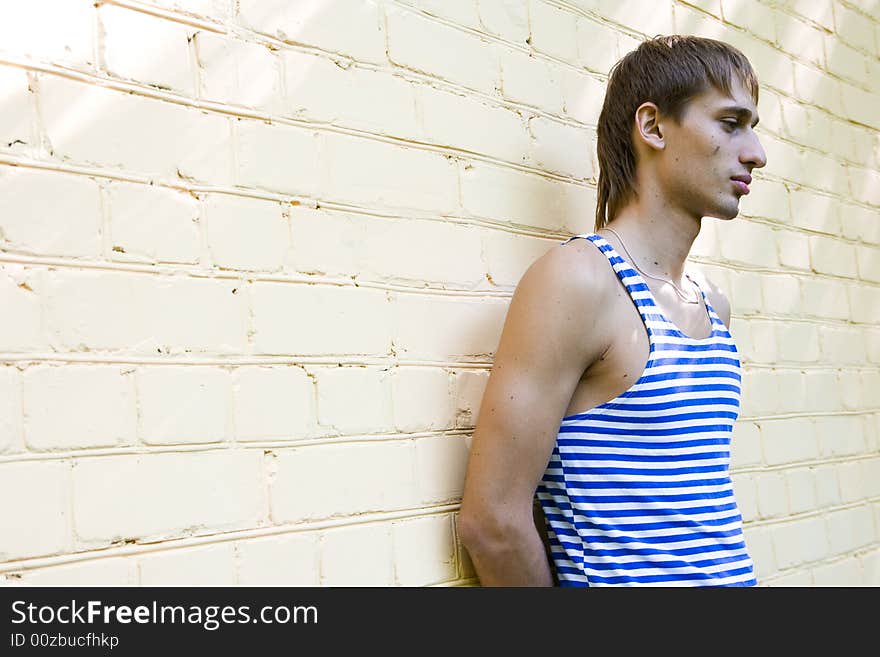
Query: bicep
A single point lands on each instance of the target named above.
(548, 340)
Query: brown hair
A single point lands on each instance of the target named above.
(668, 71)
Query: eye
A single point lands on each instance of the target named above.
(730, 124)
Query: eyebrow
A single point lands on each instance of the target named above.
(741, 112)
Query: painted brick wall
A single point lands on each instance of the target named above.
(256, 256)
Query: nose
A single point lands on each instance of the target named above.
(753, 153)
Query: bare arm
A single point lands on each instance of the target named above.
(551, 335)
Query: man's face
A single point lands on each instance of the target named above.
(714, 145)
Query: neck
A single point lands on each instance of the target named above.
(658, 236)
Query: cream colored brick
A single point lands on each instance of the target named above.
(508, 256)
(18, 129)
(442, 327)
(507, 19)
(772, 495)
(763, 341)
(112, 571)
(441, 462)
(814, 86)
(870, 386)
(140, 314)
(422, 399)
(468, 387)
(285, 560)
(822, 391)
(801, 489)
(231, 71)
(772, 68)
(788, 441)
(827, 485)
(354, 399)
(66, 222)
(827, 299)
(357, 556)
(781, 294)
(245, 233)
(851, 391)
(273, 403)
(318, 88)
(750, 243)
(746, 495)
(50, 30)
(354, 28)
(850, 529)
(706, 243)
(796, 119)
(817, 11)
(211, 565)
(864, 184)
(830, 256)
(872, 345)
(842, 345)
(760, 393)
(840, 435)
(279, 158)
(366, 477)
(582, 96)
(799, 578)
(760, 546)
(852, 486)
(792, 391)
(785, 161)
(632, 14)
(553, 30)
(745, 446)
(561, 148)
(515, 197)
(845, 61)
(825, 173)
(467, 123)
(768, 199)
(799, 39)
(78, 406)
(20, 297)
(153, 224)
(843, 142)
(210, 8)
(741, 334)
(801, 541)
(852, 27)
(363, 171)
(794, 251)
(386, 249)
(870, 563)
(457, 56)
(279, 310)
(798, 342)
(870, 475)
(184, 405)
(745, 292)
(34, 509)
(688, 21)
(424, 550)
(814, 211)
(858, 105)
(865, 303)
(117, 497)
(93, 125)
(840, 573)
(531, 81)
(463, 13)
(754, 18)
(147, 49)
(597, 51)
(11, 414)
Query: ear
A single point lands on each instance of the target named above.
(648, 126)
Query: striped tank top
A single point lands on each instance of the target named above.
(637, 490)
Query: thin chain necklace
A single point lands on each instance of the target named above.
(665, 280)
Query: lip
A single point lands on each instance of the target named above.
(741, 187)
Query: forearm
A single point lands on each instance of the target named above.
(512, 557)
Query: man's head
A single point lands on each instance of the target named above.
(680, 110)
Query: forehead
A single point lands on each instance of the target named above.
(713, 99)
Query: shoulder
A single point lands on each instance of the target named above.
(716, 295)
(578, 271)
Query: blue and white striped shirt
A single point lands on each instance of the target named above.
(637, 490)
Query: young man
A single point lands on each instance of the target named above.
(616, 383)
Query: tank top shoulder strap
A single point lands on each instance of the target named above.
(631, 279)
